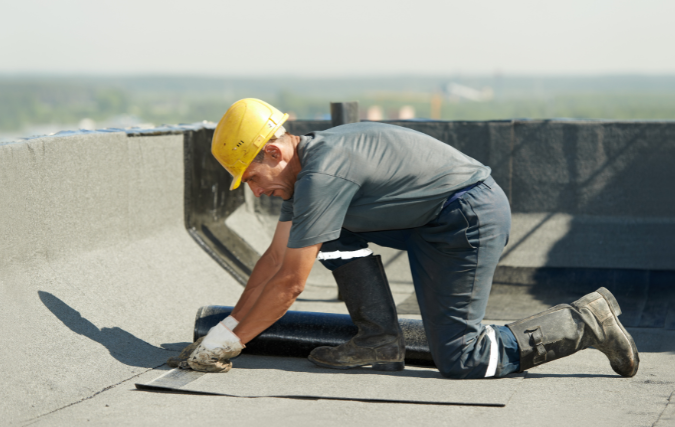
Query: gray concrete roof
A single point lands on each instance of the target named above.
(100, 283)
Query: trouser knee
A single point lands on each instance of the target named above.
(453, 361)
(453, 369)
(493, 353)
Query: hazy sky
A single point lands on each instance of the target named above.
(336, 38)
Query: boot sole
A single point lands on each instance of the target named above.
(616, 311)
(379, 366)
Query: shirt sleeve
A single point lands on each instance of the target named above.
(286, 211)
(320, 203)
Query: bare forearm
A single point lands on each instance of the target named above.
(278, 296)
(279, 293)
(266, 267)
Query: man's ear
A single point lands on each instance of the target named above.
(274, 151)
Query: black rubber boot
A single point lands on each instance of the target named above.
(379, 342)
(567, 328)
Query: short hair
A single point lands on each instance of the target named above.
(260, 157)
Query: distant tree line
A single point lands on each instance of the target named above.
(33, 101)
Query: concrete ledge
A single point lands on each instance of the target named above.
(98, 278)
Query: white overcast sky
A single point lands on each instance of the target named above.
(337, 38)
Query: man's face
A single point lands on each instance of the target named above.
(269, 178)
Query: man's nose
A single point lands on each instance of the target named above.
(257, 191)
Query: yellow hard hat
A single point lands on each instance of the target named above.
(242, 132)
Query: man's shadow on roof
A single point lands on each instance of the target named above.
(122, 345)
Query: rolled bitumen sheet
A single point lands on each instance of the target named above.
(297, 333)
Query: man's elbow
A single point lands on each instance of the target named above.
(296, 286)
(294, 292)
(292, 284)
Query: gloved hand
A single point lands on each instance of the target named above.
(217, 347)
(181, 361)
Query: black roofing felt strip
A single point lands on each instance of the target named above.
(174, 380)
(225, 250)
(223, 262)
(147, 387)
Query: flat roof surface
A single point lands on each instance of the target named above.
(103, 282)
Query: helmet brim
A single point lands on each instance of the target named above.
(236, 182)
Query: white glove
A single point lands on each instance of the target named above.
(230, 322)
(219, 345)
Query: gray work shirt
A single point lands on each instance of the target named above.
(370, 177)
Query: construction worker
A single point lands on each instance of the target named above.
(371, 182)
